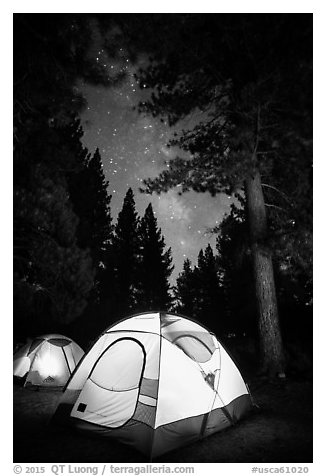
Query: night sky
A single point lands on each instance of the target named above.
(134, 147)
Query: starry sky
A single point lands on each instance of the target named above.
(134, 147)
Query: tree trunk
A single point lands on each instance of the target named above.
(271, 346)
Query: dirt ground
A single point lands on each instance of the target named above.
(279, 429)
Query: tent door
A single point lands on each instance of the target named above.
(110, 394)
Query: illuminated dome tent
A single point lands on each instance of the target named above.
(47, 361)
(155, 381)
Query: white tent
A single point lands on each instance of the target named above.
(155, 381)
(47, 361)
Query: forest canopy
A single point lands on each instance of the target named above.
(248, 78)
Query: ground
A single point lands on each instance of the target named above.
(279, 429)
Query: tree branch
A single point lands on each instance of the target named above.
(271, 205)
(277, 190)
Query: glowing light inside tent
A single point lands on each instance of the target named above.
(48, 365)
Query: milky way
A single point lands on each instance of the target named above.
(134, 147)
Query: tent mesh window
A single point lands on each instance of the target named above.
(196, 348)
(145, 414)
(59, 342)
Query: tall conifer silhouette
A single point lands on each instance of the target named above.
(125, 257)
(155, 265)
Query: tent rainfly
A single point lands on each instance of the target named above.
(155, 381)
(47, 361)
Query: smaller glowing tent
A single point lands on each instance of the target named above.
(155, 381)
(47, 361)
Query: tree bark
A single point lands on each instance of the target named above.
(271, 346)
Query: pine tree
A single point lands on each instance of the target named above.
(125, 258)
(233, 257)
(101, 222)
(92, 204)
(53, 272)
(53, 276)
(155, 265)
(210, 294)
(199, 292)
(240, 74)
(186, 291)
